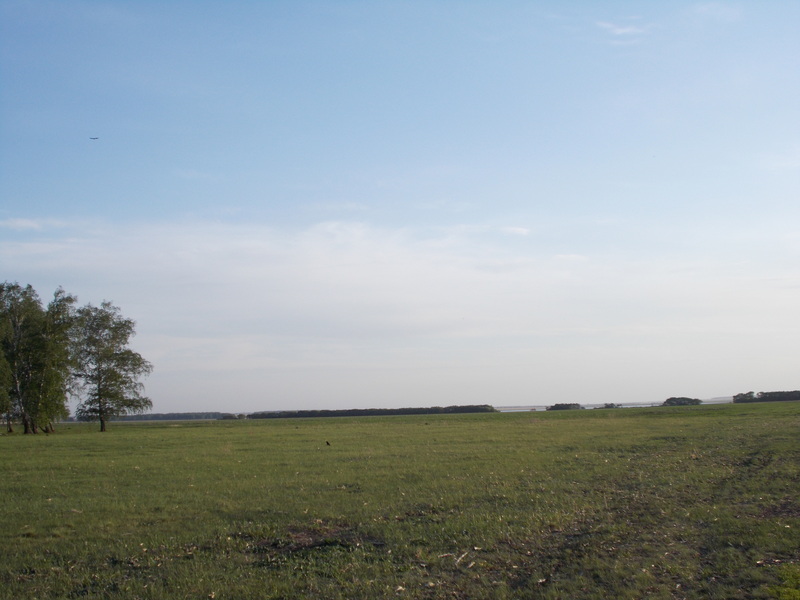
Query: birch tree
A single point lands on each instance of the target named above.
(107, 369)
(35, 366)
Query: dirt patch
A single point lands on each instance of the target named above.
(786, 508)
(316, 536)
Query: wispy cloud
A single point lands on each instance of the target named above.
(250, 307)
(21, 224)
(622, 30)
(516, 230)
(628, 31)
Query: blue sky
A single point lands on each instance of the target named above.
(358, 204)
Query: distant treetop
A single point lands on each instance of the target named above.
(569, 406)
(682, 402)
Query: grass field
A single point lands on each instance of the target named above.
(690, 502)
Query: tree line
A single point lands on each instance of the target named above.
(767, 397)
(371, 412)
(51, 353)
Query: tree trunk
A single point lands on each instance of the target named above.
(9, 425)
(102, 424)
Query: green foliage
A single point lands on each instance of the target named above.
(654, 502)
(682, 402)
(108, 369)
(46, 354)
(35, 364)
(572, 406)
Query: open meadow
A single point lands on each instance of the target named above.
(689, 502)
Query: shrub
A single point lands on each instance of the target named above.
(572, 406)
(681, 402)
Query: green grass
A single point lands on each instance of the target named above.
(689, 502)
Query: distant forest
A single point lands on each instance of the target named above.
(435, 410)
(298, 414)
(767, 397)
(370, 412)
(187, 416)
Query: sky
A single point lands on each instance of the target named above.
(318, 205)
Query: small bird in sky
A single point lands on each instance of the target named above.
(91, 138)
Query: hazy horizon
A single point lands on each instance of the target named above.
(352, 205)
